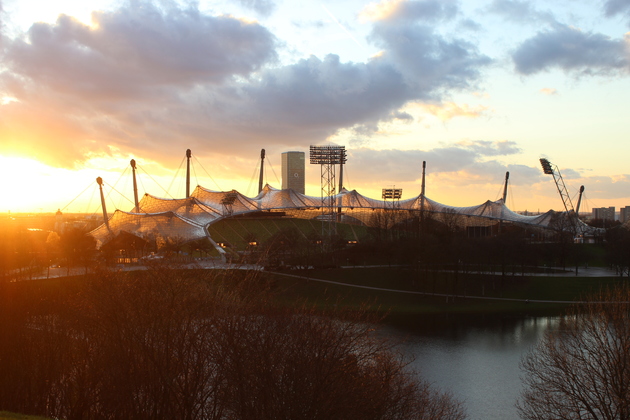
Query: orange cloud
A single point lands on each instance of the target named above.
(450, 110)
(548, 91)
(379, 11)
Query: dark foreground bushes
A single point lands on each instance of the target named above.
(165, 344)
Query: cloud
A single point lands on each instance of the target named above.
(571, 50)
(469, 159)
(262, 7)
(491, 148)
(450, 110)
(519, 11)
(604, 187)
(153, 80)
(115, 81)
(569, 173)
(137, 49)
(405, 10)
(2, 17)
(428, 61)
(549, 91)
(615, 7)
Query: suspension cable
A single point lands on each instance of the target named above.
(251, 181)
(115, 190)
(152, 179)
(209, 176)
(176, 174)
(274, 173)
(81, 193)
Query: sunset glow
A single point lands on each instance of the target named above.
(469, 87)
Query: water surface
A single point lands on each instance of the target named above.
(475, 358)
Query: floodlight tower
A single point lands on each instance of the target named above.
(551, 169)
(327, 157)
(227, 202)
(392, 194)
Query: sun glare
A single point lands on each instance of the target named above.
(30, 186)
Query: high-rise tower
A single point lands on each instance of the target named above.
(293, 171)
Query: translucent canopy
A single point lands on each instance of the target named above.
(186, 219)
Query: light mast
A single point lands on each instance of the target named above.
(99, 181)
(135, 186)
(262, 164)
(505, 188)
(188, 155)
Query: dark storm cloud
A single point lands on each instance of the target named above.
(571, 50)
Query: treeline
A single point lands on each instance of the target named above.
(512, 251)
(25, 253)
(167, 343)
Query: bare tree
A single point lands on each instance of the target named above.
(188, 344)
(582, 370)
(309, 365)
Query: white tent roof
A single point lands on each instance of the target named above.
(186, 219)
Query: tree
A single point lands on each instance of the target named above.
(582, 369)
(193, 344)
(618, 249)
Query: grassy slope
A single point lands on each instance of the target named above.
(401, 305)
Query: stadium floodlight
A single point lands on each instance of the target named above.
(328, 155)
(228, 201)
(546, 166)
(392, 193)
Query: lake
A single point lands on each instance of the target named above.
(476, 358)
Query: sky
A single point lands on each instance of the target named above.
(474, 88)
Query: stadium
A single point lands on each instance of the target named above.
(163, 221)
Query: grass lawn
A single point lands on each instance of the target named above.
(455, 290)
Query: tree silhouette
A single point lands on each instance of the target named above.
(582, 369)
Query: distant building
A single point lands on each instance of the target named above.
(59, 223)
(604, 213)
(293, 168)
(624, 214)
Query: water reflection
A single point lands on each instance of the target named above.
(476, 358)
